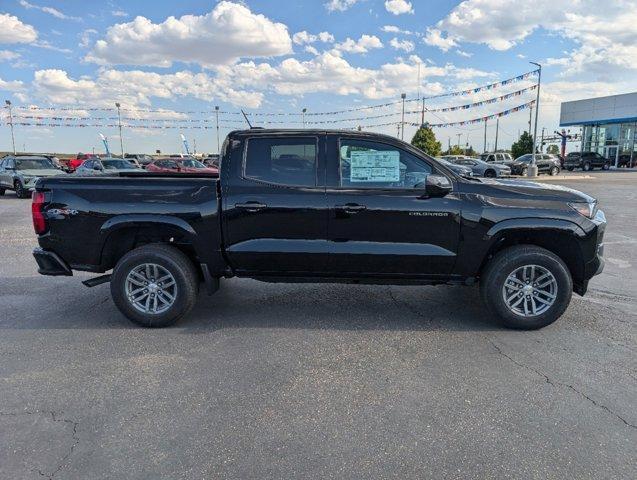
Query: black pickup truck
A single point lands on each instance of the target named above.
(320, 206)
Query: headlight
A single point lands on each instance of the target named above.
(585, 208)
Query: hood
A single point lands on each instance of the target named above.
(44, 172)
(527, 190)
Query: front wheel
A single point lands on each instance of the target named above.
(20, 191)
(554, 171)
(154, 285)
(527, 287)
(586, 167)
(490, 173)
(606, 166)
(525, 171)
(2, 191)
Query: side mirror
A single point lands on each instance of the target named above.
(97, 167)
(437, 185)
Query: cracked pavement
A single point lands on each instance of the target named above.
(318, 381)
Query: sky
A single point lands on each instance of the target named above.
(170, 64)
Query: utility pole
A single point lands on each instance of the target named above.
(303, 112)
(484, 149)
(402, 132)
(119, 121)
(530, 117)
(497, 127)
(466, 145)
(217, 119)
(542, 141)
(448, 145)
(398, 134)
(459, 135)
(532, 171)
(8, 103)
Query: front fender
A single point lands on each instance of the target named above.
(534, 225)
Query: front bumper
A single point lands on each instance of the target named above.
(50, 263)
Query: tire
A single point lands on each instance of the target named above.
(490, 173)
(554, 171)
(495, 281)
(524, 172)
(2, 190)
(167, 261)
(20, 191)
(570, 169)
(586, 167)
(606, 166)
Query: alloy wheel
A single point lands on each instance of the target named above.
(530, 290)
(150, 288)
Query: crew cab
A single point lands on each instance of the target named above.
(586, 161)
(320, 206)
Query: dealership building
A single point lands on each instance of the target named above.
(608, 125)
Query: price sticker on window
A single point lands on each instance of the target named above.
(372, 166)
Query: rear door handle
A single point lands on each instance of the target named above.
(351, 207)
(251, 206)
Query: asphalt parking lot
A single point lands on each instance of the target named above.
(318, 381)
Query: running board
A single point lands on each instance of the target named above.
(95, 281)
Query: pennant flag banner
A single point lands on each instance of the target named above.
(480, 119)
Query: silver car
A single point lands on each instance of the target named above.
(484, 169)
(106, 166)
(20, 173)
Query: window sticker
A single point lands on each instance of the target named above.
(373, 166)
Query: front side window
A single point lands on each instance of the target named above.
(367, 164)
(282, 161)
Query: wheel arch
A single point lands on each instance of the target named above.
(561, 237)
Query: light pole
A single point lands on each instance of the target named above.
(532, 170)
(459, 135)
(303, 112)
(497, 127)
(8, 103)
(402, 123)
(217, 119)
(119, 122)
(484, 148)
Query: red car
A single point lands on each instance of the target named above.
(182, 165)
(79, 160)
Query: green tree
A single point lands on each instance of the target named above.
(425, 140)
(553, 149)
(454, 150)
(523, 146)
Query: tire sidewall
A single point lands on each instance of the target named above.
(118, 289)
(510, 263)
(19, 189)
(554, 171)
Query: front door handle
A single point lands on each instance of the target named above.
(351, 207)
(251, 206)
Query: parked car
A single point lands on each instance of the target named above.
(74, 163)
(586, 161)
(459, 169)
(336, 206)
(211, 161)
(183, 165)
(20, 173)
(497, 157)
(545, 163)
(141, 159)
(103, 166)
(483, 169)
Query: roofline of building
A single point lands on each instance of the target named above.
(600, 122)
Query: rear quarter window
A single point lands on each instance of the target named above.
(287, 161)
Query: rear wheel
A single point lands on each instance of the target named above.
(527, 287)
(154, 285)
(525, 171)
(2, 191)
(20, 191)
(586, 167)
(554, 171)
(489, 173)
(606, 166)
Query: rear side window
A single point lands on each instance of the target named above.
(282, 161)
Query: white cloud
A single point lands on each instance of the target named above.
(50, 10)
(85, 37)
(605, 36)
(395, 29)
(136, 88)
(339, 5)
(362, 45)
(398, 7)
(435, 38)
(12, 30)
(11, 85)
(229, 32)
(8, 55)
(311, 49)
(405, 45)
(119, 13)
(462, 53)
(302, 38)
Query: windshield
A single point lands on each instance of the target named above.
(33, 164)
(192, 164)
(117, 165)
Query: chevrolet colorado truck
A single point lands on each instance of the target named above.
(320, 206)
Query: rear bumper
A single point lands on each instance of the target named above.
(50, 263)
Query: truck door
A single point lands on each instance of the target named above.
(275, 209)
(380, 224)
